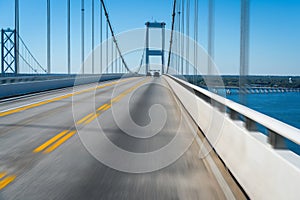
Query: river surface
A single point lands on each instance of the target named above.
(282, 106)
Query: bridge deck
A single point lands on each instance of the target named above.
(69, 171)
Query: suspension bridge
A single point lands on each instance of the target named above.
(115, 130)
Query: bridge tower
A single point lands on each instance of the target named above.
(149, 52)
(9, 63)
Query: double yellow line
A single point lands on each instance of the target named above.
(90, 117)
(26, 107)
(63, 136)
(55, 142)
(6, 179)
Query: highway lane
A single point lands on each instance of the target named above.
(46, 156)
(22, 131)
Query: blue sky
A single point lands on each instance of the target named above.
(274, 30)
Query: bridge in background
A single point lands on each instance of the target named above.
(125, 134)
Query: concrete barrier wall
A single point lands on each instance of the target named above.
(261, 171)
(21, 88)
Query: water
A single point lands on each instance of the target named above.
(282, 106)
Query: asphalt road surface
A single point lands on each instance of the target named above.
(116, 140)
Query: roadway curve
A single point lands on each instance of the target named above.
(42, 155)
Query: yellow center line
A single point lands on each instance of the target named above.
(101, 107)
(60, 138)
(59, 142)
(89, 118)
(84, 118)
(2, 174)
(26, 107)
(6, 181)
(49, 142)
(107, 106)
(94, 116)
(116, 99)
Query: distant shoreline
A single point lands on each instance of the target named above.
(251, 81)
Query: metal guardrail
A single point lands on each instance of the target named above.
(43, 77)
(44, 83)
(277, 131)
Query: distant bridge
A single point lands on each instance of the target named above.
(124, 134)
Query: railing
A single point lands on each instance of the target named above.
(20, 86)
(277, 130)
(246, 154)
(44, 77)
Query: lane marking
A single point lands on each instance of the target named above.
(2, 174)
(6, 181)
(101, 107)
(116, 99)
(89, 118)
(43, 102)
(84, 118)
(107, 106)
(63, 136)
(59, 142)
(94, 116)
(49, 142)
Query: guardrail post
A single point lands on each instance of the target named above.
(277, 141)
(233, 114)
(218, 105)
(250, 124)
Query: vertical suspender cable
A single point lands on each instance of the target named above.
(17, 67)
(143, 54)
(112, 57)
(182, 37)
(120, 66)
(244, 48)
(195, 39)
(101, 39)
(116, 60)
(93, 36)
(211, 25)
(106, 48)
(163, 49)
(178, 38)
(175, 42)
(147, 50)
(187, 34)
(69, 36)
(48, 39)
(82, 35)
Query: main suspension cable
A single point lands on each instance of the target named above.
(172, 31)
(113, 36)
